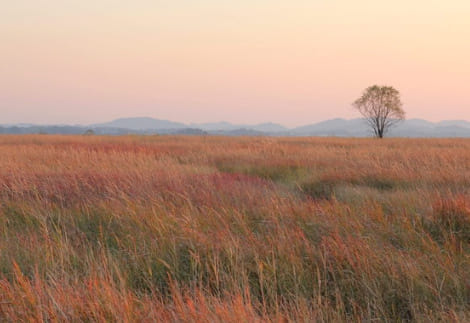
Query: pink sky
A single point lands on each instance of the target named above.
(292, 62)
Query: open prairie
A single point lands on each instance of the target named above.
(162, 228)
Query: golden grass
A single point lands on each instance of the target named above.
(234, 229)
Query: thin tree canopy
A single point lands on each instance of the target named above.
(381, 107)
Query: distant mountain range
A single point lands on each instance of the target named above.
(334, 127)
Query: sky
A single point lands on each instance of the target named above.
(247, 61)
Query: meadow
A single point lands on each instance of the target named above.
(246, 229)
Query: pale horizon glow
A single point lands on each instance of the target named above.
(289, 62)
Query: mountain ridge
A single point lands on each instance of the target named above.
(338, 127)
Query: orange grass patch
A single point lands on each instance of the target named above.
(176, 228)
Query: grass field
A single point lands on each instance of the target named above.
(234, 229)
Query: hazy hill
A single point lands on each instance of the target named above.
(268, 127)
(334, 127)
(215, 126)
(145, 123)
(454, 123)
(141, 123)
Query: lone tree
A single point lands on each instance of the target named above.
(381, 107)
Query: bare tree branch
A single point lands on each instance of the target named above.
(381, 108)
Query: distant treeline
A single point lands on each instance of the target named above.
(76, 130)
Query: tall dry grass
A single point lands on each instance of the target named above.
(234, 229)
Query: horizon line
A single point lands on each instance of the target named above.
(190, 124)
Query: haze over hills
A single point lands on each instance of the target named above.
(140, 123)
(334, 127)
